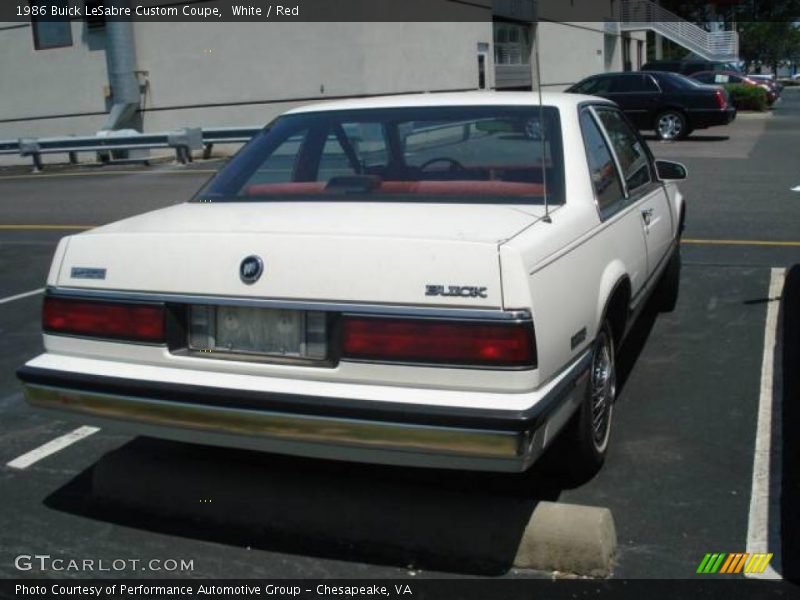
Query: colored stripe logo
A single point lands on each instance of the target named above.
(728, 564)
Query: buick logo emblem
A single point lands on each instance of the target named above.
(251, 269)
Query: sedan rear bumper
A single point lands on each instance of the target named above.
(378, 432)
(703, 118)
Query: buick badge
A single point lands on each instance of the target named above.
(251, 269)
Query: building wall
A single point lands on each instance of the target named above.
(571, 51)
(59, 91)
(228, 74)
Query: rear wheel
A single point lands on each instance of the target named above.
(588, 434)
(671, 125)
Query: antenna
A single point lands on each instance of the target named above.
(546, 217)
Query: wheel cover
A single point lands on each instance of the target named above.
(603, 391)
(670, 126)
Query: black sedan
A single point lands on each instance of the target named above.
(669, 103)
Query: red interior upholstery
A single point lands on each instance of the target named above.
(458, 187)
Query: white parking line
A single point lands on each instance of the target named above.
(21, 296)
(51, 447)
(763, 525)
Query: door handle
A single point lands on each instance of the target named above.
(647, 215)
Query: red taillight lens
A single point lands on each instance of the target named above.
(134, 322)
(722, 101)
(439, 342)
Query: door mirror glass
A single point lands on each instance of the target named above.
(670, 171)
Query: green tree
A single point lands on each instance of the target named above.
(768, 42)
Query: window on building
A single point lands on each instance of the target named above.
(512, 43)
(50, 31)
(95, 21)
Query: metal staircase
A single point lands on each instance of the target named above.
(638, 15)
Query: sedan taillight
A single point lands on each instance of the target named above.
(458, 343)
(114, 320)
(722, 99)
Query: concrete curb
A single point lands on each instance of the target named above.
(568, 537)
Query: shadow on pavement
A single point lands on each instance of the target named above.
(790, 496)
(435, 520)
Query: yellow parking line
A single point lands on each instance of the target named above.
(103, 173)
(787, 244)
(43, 227)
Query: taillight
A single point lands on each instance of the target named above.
(115, 320)
(722, 100)
(461, 343)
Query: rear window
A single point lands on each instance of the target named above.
(476, 154)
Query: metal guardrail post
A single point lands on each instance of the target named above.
(30, 147)
(184, 141)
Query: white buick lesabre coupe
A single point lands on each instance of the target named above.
(436, 280)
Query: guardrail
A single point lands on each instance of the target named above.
(722, 46)
(183, 141)
(226, 135)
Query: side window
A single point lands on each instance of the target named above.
(629, 83)
(598, 85)
(604, 176)
(650, 84)
(630, 151)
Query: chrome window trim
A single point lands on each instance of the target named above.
(445, 312)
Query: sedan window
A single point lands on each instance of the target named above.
(605, 180)
(634, 83)
(594, 86)
(630, 151)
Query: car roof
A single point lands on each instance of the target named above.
(560, 100)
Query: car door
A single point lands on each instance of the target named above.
(638, 95)
(623, 222)
(641, 186)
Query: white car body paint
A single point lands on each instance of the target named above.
(561, 270)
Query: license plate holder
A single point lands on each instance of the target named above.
(257, 332)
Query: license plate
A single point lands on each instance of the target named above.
(258, 331)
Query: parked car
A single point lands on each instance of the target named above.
(730, 77)
(670, 104)
(687, 67)
(409, 280)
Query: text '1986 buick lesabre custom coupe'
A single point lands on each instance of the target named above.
(435, 280)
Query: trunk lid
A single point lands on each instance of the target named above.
(332, 252)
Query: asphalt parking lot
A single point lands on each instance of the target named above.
(679, 477)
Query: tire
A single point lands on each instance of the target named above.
(587, 436)
(671, 125)
(669, 285)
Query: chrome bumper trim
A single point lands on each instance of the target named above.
(281, 426)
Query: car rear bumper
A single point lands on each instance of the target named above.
(377, 432)
(702, 118)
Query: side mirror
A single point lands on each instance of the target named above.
(670, 171)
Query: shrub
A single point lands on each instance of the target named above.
(747, 97)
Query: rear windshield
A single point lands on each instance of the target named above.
(437, 154)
